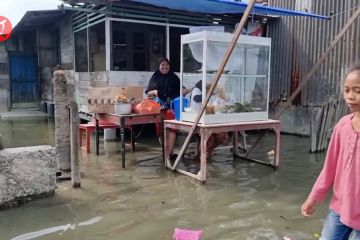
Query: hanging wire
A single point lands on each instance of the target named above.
(340, 13)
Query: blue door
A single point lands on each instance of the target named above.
(23, 80)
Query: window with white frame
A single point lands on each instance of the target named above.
(97, 50)
(133, 46)
(136, 47)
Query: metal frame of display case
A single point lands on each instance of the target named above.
(208, 36)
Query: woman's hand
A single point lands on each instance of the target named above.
(308, 207)
(153, 93)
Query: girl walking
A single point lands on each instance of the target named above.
(341, 170)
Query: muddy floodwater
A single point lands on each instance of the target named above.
(240, 200)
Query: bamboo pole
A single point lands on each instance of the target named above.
(236, 35)
(311, 72)
(319, 62)
(62, 130)
(74, 136)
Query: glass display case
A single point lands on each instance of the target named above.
(242, 92)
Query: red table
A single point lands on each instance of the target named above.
(125, 121)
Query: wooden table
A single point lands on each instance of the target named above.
(205, 132)
(125, 121)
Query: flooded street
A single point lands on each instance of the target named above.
(240, 200)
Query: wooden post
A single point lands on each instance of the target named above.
(74, 132)
(216, 79)
(62, 128)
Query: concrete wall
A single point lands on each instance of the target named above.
(4, 79)
(55, 47)
(48, 59)
(26, 173)
(86, 80)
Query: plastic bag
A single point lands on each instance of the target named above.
(146, 106)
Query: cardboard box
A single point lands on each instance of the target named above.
(101, 100)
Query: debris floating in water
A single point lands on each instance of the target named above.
(63, 228)
(187, 234)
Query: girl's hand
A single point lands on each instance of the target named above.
(153, 93)
(308, 207)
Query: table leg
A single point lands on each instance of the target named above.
(277, 146)
(203, 155)
(122, 137)
(132, 139)
(235, 143)
(166, 153)
(163, 138)
(97, 136)
(243, 133)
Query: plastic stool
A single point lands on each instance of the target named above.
(88, 128)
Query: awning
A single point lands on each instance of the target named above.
(223, 7)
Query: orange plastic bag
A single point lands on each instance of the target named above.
(147, 106)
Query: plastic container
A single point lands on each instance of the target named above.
(175, 106)
(123, 108)
(109, 133)
(50, 109)
(187, 234)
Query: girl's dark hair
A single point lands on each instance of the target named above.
(163, 59)
(354, 68)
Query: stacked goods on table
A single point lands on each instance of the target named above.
(103, 100)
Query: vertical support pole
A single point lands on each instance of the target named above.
(97, 140)
(204, 136)
(74, 126)
(88, 48)
(108, 45)
(166, 153)
(62, 128)
(168, 42)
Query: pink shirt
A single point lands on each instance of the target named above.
(342, 172)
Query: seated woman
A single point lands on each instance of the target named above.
(215, 139)
(165, 85)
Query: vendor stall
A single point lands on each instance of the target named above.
(238, 103)
(243, 89)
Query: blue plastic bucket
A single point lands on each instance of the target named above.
(175, 106)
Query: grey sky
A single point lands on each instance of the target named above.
(15, 9)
